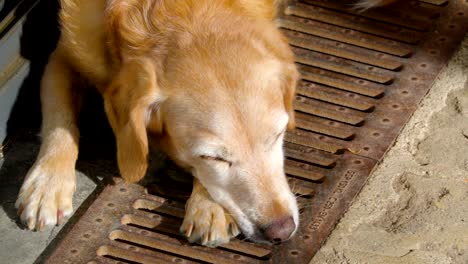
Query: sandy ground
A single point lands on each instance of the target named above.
(414, 208)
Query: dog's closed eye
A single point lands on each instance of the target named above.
(275, 138)
(279, 135)
(216, 158)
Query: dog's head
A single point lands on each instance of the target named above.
(224, 102)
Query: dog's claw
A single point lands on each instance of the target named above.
(211, 236)
(190, 230)
(59, 217)
(187, 229)
(233, 230)
(20, 210)
(40, 225)
(31, 223)
(204, 239)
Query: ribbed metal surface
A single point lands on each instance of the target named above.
(363, 76)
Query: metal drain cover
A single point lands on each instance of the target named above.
(363, 76)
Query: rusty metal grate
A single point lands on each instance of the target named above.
(363, 77)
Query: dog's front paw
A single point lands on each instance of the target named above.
(207, 223)
(46, 196)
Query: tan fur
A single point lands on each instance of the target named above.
(199, 76)
(45, 196)
(126, 109)
(212, 83)
(202, 78)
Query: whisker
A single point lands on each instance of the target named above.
(294, 185)
(305, 207)
(304, 196)
(244, 239)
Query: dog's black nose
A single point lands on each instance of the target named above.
(280, 229)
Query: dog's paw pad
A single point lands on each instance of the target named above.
(208, 223)
(45, 198)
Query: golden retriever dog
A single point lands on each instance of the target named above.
(211, 82)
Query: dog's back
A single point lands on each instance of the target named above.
(83, 38)
(87, 39)
(88, 43)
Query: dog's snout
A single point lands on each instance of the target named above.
(280, 229)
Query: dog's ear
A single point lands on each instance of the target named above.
(288, 87)
(131, 26)
(279, 46)
(132, 93)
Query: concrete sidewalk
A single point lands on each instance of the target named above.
(96, 162)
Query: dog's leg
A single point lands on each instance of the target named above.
(206, 221)
(46, 195)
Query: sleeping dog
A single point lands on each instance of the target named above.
(212, 82)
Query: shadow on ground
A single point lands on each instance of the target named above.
(20, 148)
